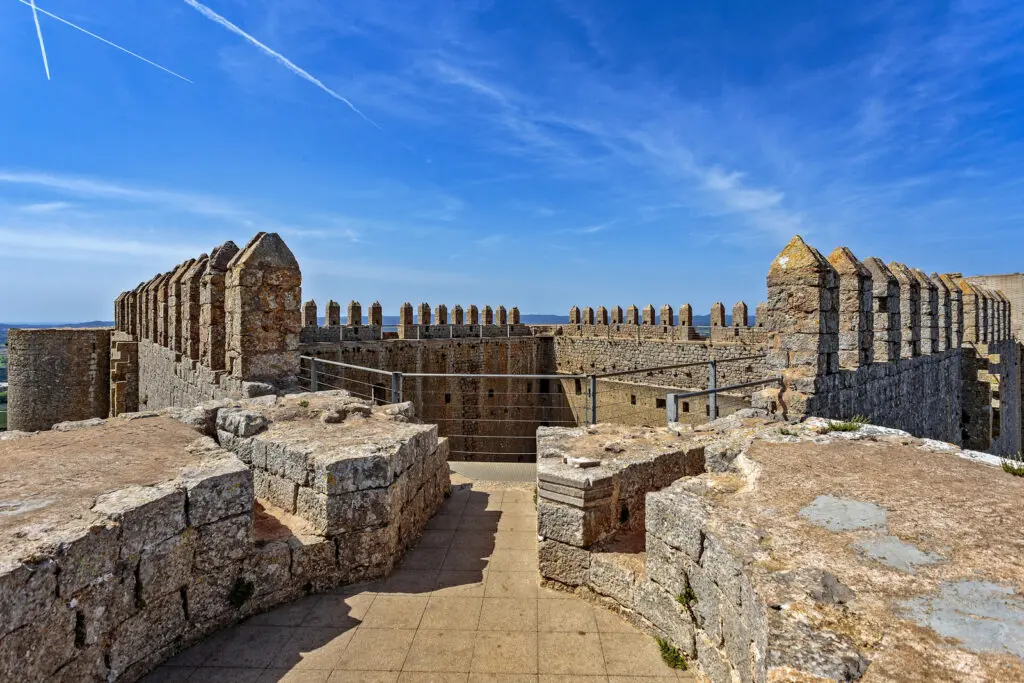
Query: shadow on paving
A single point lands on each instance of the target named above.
(343, 630)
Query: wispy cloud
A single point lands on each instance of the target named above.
(104, 189)
(93, 35)
(41, 243)
(281, 59)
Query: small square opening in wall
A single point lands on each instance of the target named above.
(632, 399)
(659, 403)
(529, 387)
(490, 393)
(686, 406)
(707, 410)
(579, 387)
(447, 398)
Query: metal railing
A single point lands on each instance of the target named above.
(498, 420)
(3, 417)
(486, 415)
(672, 400)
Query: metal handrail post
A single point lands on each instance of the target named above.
(592, 396)
(671, 408)
(712, 387)
(312, 375)
(396, 387)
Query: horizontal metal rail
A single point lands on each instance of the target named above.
(468, 375)
(347, 365)
(619, 373)
(718, 390)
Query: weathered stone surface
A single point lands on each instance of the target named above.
(26, 592)
(167, 566)
(147, 515)
(223, 542)
(665, 611)
(147, 632)
(39, 648)
(217, 489)
(563, 563)
(85, 555)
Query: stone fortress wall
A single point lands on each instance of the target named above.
(169, 535)
(56, 375)
(933, 355)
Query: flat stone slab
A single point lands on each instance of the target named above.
(982, 616)
(894, 553)
(49, 478)
(840, 514)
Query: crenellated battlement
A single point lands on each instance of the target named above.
(891, 343)
(666, 326)
(225, 322)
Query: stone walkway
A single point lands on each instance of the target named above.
(463, 607)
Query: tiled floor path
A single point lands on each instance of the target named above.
(463, 607)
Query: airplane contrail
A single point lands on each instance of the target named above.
(39, 32)
(284, 61)
(32, 4)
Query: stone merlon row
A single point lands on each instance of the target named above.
(460, 316)
(232, 310)
(634, 316)
(840, 312)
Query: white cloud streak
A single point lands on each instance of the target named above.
(281, 59)
(32, 4)
(39, 32)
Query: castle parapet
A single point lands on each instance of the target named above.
(332, 317)
(910, 310)
(309, 314)
(929, 313)
(740, 315)
(212, 317)
(856, 338)
(355, 314)
(376, 314)
(666, 315)
(191, 294)
(264, 289)
(718, 314)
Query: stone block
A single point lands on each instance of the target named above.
(713, 662)
(289, 460)
(367, 548)
(664, 565)
(281, 492)
(706, 605)
(86, 555)
(167, 566)
(663, 610)
(36, 650)
(313, 558)
(563, 563)
(268, 567)
(573, 525)
(146, 514)
(336, 514)
(240, 422)
(366, 470)
(103, 605)
(678, 517)
(612, 578)
(160, 623)
(223, 542)
(217, 489)
(26, 592)
(209, 595)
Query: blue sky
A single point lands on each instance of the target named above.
(539, 154)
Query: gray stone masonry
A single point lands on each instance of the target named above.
(110, 592)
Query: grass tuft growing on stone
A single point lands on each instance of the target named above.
(303, 403)
(851, 425)
(686, 598)
(788, 432)
(1014, 465)
(671, 655)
